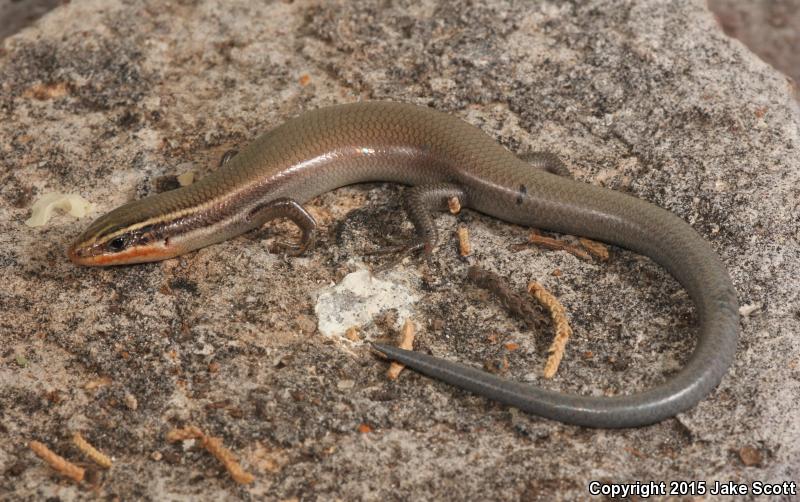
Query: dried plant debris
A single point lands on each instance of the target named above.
(562, 328)
(352, 334)
(215, 447)
(57, 462)
(454, 205)
(407, 343)
(464, 247)
(596, 249)
(90, 451)
(557, 245)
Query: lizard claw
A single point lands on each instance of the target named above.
(400, 251)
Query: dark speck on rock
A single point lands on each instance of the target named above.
(618, 363)
(128, 119)
(15, 469)
(184, 285)
(18, 194)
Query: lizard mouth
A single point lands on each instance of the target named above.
(91, 257)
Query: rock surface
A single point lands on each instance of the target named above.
(770, 29)
(110, 99)
(17, 14)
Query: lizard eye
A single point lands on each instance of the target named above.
(117, 244)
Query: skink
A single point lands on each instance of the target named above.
(442, 157)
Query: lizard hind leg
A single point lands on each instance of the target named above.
(294, 211)
(420, 201)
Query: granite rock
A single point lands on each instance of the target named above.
(770, 29)
(108, 98)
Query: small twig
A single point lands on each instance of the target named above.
(407, 343)
(454, 205)
(57, 462)
(97, 383)
(563, 331)
(464, 247)
(352, 334)
(595, 248)
(556, 245)
(517, 304)
(214, 446)
(90, 451)
(188, 432)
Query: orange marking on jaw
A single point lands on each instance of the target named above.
(133, 255)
